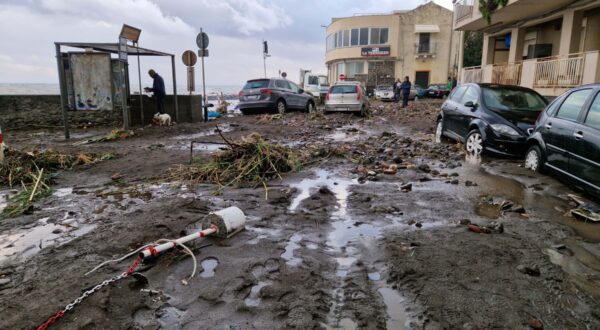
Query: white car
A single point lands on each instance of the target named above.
(347, 96)
(384, 93)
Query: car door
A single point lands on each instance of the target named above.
(450, 109)
(584, 161)
(283, 90)
(558, 130)
(298, 98)
(464, 113)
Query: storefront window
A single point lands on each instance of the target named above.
(354, 68)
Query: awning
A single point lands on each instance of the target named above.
(427, 29)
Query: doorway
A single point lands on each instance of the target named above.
(422, 78)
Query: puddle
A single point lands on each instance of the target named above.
(338, 186)
(582, 269)
(396, 313)
(292, 245)
(208, 267)
(253, 299)
(375, 276)
(169, 317)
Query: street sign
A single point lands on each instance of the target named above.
(284, 75)
(202, 40)
(203, 52)
(342, 77)
(189, 58)
(123, 49)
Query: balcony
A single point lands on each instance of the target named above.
(425, 50)
(507, 74)
(565, 71)
(472, 75)
(463, 9)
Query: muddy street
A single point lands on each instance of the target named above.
(381, 229)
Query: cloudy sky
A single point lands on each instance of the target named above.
(236, 29)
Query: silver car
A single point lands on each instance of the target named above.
(348, 96)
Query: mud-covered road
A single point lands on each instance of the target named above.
(338, 245)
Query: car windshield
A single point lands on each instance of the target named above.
(254, 84)
(343, 89)
(434, 87)
(505, 99)
(384, 88)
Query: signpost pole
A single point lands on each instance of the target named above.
(204, 98)
(140, 82)
(63, 90)
(175, 88)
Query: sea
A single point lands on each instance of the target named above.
(230, 92)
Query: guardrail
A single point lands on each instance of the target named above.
(472, 75)
(559, 71)
(426, 48)
(507, 73)
(463, 9)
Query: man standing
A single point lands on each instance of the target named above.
(405, 88)
(158, 88)
(396, 88)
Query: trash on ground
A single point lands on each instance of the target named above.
(585, 211)
(113, 135)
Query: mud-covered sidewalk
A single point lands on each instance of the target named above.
(382, 229)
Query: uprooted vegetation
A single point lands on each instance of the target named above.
(252, 161)
(34, 172)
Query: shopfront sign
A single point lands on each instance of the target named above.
(375, 51)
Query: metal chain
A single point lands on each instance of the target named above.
(88, 293)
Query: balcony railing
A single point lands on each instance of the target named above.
(472, 75)
(560, 71)
(426, 48)
(463, 9)
(507, 73)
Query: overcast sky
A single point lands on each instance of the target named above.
(236, 29)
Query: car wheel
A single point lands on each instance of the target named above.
(281, 107)
(310, 107)
(245, 112)
(474, 144)
(534, 160)
(439, 131)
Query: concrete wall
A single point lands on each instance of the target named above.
(29, 111)
(592, 30)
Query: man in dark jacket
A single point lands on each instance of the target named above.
(405, 88)
(158, 88)
(396, 88)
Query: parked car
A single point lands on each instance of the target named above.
(274, 94)
(488, 117)
(384, 93)
(566, 139)
(419, 91)
(437, 91)
(347, 96)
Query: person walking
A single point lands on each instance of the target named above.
(396, 88)
(158, 89)
(405, 89)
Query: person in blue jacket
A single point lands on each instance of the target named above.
(158, 89)
(405, 89)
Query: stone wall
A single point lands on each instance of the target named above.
(31, 111)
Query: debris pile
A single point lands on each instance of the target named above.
(249, 162)
(115, 134)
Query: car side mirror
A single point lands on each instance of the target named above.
(300, 91)
(471, 105)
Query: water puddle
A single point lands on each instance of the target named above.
(253, 299)
(288, 255)
(338, 186)
(394, 303)
(375, 276)
(169, 317)
(582, 266)
(208, 267)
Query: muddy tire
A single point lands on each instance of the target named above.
(534, 159)
(281, 107)
(474, 143)
(439, 129)
(310, 107)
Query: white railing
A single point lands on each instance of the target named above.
(559, 71)
(507, 73)
(463, 9)
(472, 75)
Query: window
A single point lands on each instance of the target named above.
(346, 38)
(292, 86)
(573, 104)
(424, 39)
(354, 68)
(282, 84)
(340, 69)
(339, 39)
(593, 117)
(374, 36)
(506, 99)
(255, 84)
(551, 110)
(470, 95)
(458, 93)
(364, 36)
(343, 89)
(383, 36)
(354, 37)
(313, 80)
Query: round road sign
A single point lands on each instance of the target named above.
(189, 58)
(202, 40)
(342, 77)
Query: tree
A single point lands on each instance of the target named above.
(473, 48)
(487, 7)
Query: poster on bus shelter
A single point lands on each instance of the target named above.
(92, 85)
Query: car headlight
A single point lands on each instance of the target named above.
(504, 129)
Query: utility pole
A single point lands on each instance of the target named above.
(265, 55)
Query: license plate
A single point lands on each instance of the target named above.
(252, 97)
(343, 109)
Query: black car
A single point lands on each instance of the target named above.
(437, 91)
(275, 95)
(489, 117)
(566, 139)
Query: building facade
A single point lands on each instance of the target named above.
(550, 46)
(379, 48)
